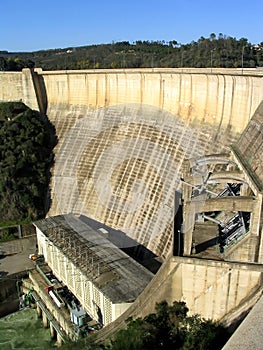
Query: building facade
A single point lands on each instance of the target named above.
(104, 279)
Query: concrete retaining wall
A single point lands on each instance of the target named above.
(209, 288)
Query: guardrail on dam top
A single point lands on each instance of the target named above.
(123, 135)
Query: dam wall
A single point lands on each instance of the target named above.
(198, 97)
(212, 289)
(20, 86)
(124, 134)
(11, 87)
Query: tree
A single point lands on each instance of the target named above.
(170, 328)
(26, 143)
(212, 36)
(15, 64)
(140, 54)
(3, 63)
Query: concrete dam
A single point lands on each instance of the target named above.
(124, 137)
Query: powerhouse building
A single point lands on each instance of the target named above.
(102, 277)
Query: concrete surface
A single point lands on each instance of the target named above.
(249, 335)
(14, 255)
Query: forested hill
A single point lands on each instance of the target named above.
(214, 51)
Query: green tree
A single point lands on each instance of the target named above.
(26, 143)
(170, 328)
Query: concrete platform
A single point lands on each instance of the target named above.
(14, 255)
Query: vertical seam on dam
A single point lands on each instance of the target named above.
(232, 98)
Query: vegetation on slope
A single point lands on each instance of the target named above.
(14, 64)
(168, 328)
(26, 143)
(216, 51)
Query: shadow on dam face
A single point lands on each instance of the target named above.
(120, 165)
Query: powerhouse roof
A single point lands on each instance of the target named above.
(118, 276)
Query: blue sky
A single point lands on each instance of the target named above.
(45, 24)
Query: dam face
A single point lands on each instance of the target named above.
(123, 136)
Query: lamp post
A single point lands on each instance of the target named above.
(152, 62)
(182, 60)
(124, 61)
(242, 59)
(211, 63)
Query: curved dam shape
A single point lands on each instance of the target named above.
(121, 166)
(124, 134)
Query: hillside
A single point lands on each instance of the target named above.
(216, 51)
